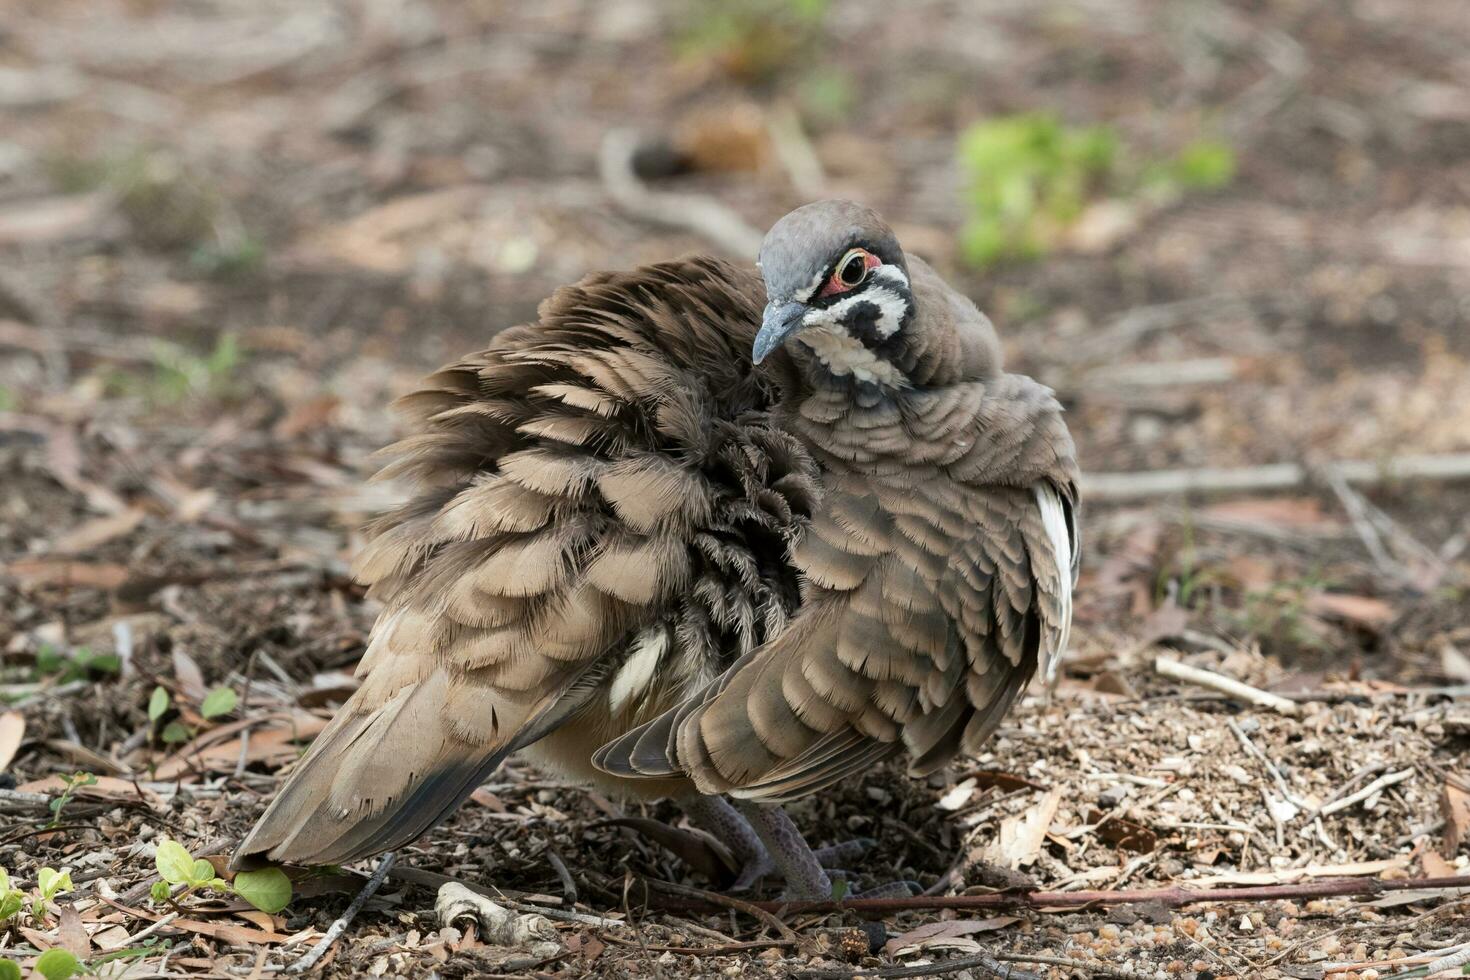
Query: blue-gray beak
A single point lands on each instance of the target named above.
(781, 320)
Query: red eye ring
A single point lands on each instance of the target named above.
(857, 261)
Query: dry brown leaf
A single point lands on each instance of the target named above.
(113, 937)
(1124, 834)
(228, 932)
(190, 677)
(12, 733)
(271, 746)
(1018, 843)
(1289, 512)
(1164, 622)
(1435, 866)
(98, 531)
(72, 934)
(922, 937)
(313, 413)
(106, 788)
(1454, 804)
(35, 572)
(49, 220)
(261, 920)
(1354, 869)
(1359, 610)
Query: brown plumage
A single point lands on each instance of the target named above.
(666, 570)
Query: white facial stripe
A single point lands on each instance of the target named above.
(891, 309)
(844, 354)
(802, 295)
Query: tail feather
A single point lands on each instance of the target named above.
(377, 779)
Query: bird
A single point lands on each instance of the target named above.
(707, 532)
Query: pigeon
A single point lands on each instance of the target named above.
(723, 535)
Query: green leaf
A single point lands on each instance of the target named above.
(220, 701)
(4, 881)
(9, 970)
(175, 864)
(10, 904)
(839, 889)
(202, 874)
(157, 703)
(175, 731)
(268, 889)
(57, 964)
(160, 892)
(1205, 164)
(51, 883)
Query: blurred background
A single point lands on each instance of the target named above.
(1230, 233)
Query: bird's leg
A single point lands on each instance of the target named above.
(805, 877)
(716, 816)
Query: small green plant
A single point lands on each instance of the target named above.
(80, 664)
(176, 374)
(12, 900)
(58, 964)
(49, 884)
(73, 783)
(220, 701)
(1029, 177)
(268, 889)
(217, 703)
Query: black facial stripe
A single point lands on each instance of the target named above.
(861, 322)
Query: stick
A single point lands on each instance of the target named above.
(1225, 685)
(1171, 897)
(990, 964)
(1276, 476)
(702, 215)
(1380, 783)
(340, 926)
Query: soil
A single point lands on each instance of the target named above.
(231, 234)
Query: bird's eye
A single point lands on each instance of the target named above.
(853, 269)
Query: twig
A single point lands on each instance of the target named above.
(1276, 476)
(154, 927)
(983, 961)
(702, 215)
(1225, 685)
(1245, 741)
(725, 949)
(760, 910)
(1357, 512)
(568, 886)
(340, 926)
(1171, 897)
(1378, 784)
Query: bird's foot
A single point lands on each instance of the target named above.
(833, 860)
(755, 859)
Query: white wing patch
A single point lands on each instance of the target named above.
(1054, 520)
(638, 671)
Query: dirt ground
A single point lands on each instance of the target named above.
(231, 233)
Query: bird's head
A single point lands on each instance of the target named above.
(837, 284)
